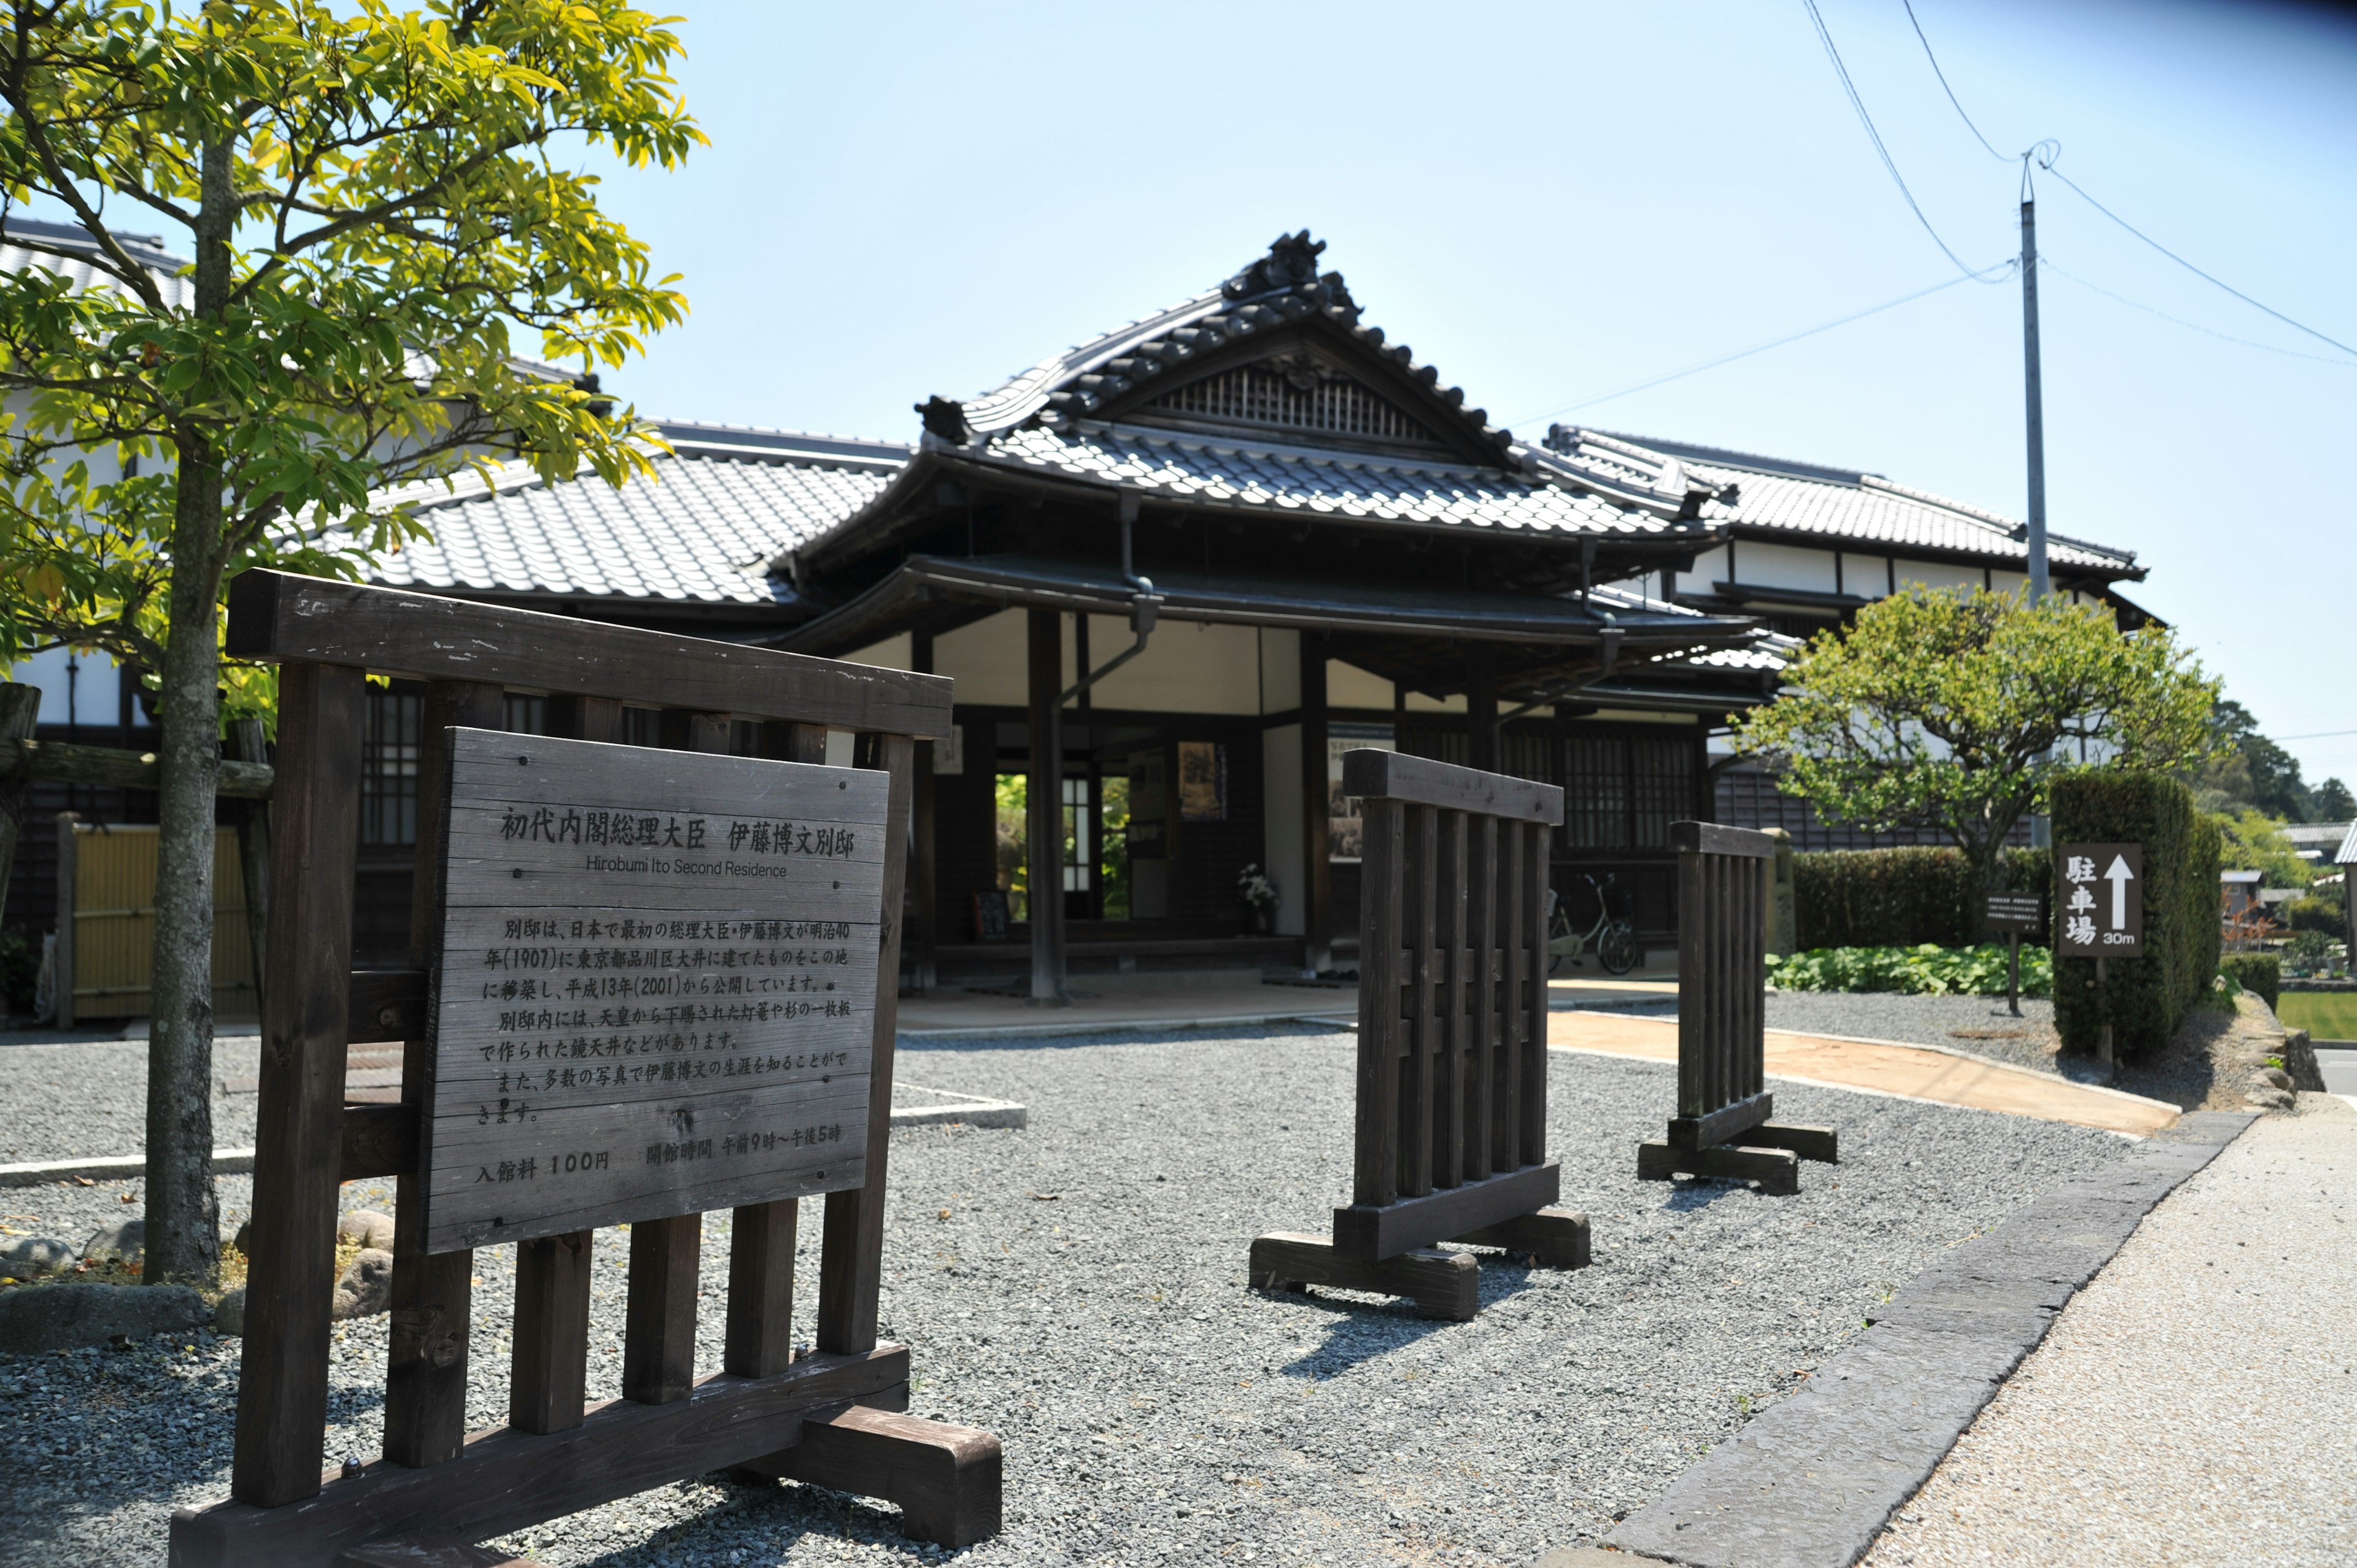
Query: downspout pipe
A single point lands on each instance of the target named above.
(1145, 605)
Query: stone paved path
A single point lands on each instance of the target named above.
(2197, 1403)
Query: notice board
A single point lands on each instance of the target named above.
(654, 992)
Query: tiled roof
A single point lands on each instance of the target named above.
(2348, 852)
(723, 503)
(1311, 481)
(1816, 504)
(21, 234)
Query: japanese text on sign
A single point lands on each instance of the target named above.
(2099, 900)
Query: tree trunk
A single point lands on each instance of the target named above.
(183, 1213)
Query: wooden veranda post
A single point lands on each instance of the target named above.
(1722, 1128)
(1450, 1143)
(829, 1416)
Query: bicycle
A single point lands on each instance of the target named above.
(1613, 936)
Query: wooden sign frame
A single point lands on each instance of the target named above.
(826, 1415)
(1451, 1132)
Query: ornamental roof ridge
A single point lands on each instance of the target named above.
(1240, 444)
(1280, 288)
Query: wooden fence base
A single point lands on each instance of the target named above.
(1442, 1284)
(1769, 1155)
(1554, 1237)
(945, 1478)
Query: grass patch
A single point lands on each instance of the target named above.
(2325, 1014)
(1928, 969)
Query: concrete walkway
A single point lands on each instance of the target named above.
(2197, 1403)
(1914, 1072)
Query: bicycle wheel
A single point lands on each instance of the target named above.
(1619, 950)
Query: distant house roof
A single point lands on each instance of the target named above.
(2346, 854)
(69, 251)
(723, 502)
(1771, 496)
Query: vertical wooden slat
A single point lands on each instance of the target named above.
(851, 1257)
(548, 1365)
(1450, 1041)
(761, 1236)
(1422, 898)
(1535, 1017)
(1382, 996)
(667, 1254)
(1480, 1066)
(1506, 1114)
(549, 1374)
(62, 956)
(1755, 983)
(282, 1397)
(425, 1356)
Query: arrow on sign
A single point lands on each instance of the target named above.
(2120, 876)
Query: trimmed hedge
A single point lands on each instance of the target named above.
(1901, 897)
(2259, 973)
(2144, 999)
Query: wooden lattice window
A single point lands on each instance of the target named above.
(1292, 395)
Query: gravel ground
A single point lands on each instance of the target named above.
(2197, 1403)
(1078, 1287)
(1981, 1025)
(105, 1083)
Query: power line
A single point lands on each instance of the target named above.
(2320, 735)
(1867, 120)
(2046, 264)
(1759, 349)
(1951, 92)
(2048, 164)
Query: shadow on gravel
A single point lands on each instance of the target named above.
(1691, 1195)
(1364, 1328)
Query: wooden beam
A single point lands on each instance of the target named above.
(1394, 775)
(504, 1479)
(378, 1141)
(1442, 1284)
(1711, 838)
(1317, 867)
(282, 1397)
(278, 616)
(945, 1478)
(1372, 1233)
(114, 766)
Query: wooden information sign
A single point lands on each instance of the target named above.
(2022, 913)
(655, 994)
(2100, 901)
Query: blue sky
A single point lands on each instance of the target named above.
(1551, 202)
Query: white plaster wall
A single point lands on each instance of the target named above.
(892, 653)
(1280, 753)
(1190, 667)
(1280, 669)
(2009, 582)
(1938, 575)
(1868, 576)
(988, 659)
(1348, 686)
(1784, 567)
(1709, 567)
(1417, 703)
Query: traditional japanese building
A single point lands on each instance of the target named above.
(1176, 571)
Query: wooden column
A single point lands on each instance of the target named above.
(1317, 872)
(1044, 831)
(20, 709)
(851, 1256)
(923, 885)
(246, 744)
(433, 1299)
(281, 1396)
(1481, 706)
(61, 958)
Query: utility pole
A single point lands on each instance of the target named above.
(2031, 400)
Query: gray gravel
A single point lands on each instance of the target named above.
(1981, 1025)
(1153, 1410)
(88, 1098)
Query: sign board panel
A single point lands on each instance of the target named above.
(2101, 891)
(2021, 912)
(655, 991)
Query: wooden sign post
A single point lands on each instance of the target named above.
(1722, 1128)
(2016, 915)
(1451, 1136)
(644, 984)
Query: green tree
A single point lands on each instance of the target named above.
(375, 201)
(2251, 771)
(1953, 709)
(2333, 802)
(2252, 840)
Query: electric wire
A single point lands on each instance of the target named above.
(2046, 264)
(1757, 348)
(2048, 164)
(2320, 735)
(1825, 36)
(1951, 92)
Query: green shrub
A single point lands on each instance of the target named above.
(2261, 973)
(2144, 998)
(20, 969)
(1901, 897)
(1926, 969)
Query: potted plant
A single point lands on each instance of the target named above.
(1259, 895)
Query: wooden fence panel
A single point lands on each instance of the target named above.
(108, 894)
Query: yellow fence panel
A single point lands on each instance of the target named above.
(114, 914)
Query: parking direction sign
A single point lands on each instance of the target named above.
(2099, 911)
